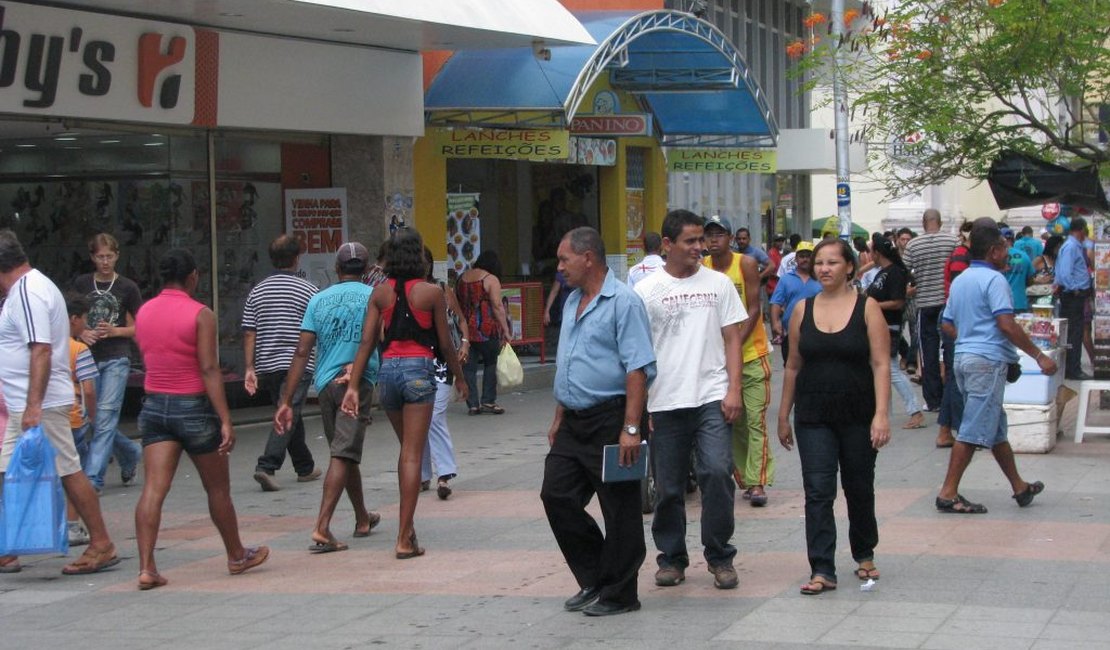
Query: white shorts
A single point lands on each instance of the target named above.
(55, 423)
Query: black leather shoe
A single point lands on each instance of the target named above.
(580, 600)
(602, 608)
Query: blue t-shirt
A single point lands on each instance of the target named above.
(790, 289)
(1031, 246)
(1021, 269)
(978, 296)
(335, 316)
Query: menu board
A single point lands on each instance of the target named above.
(464, 231)
(1100, 325)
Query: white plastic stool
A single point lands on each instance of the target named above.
(1085, 388)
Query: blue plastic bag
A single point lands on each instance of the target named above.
(33, 518)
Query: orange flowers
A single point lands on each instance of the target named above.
(796, 49)
(850, 17)
(996, 3)
(813, 20)
(924, 54)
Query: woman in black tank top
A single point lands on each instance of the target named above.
(837, 382)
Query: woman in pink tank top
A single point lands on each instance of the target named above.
(185, 409)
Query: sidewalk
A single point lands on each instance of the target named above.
(493, 576)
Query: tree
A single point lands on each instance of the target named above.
(960, 81)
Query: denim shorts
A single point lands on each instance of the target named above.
(406, 380)
(187, 420)
(982, 382)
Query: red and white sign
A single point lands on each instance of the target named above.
(1050, 211)
(318, 219)
(624, 124)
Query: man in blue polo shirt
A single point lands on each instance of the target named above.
(605, 364)
(796, 285)
(980, 316)
(1073, 286)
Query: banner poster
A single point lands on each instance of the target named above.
(514, 310)
(634, 231)
(1100, 329)
(318, 219)
(714, 159)
(464, 232)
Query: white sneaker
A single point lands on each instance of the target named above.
(78, 534)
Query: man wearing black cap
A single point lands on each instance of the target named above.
(333, 324)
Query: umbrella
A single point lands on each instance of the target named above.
(832, 224)
(1018, 180)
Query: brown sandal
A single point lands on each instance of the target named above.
(865, 574)
(817, 585)
(155, 580)
(92, 561)
(252, 557)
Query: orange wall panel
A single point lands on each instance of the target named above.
(305, 166)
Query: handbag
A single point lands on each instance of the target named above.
(1013, 372)
(509, 371)
(33, 510)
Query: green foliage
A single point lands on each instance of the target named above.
(972, 78)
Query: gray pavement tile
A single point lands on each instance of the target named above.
(798, 604)
(841, 635)
(974, 613)
(977, 627)
(906, 609)
(963, 642)
(1052, 644)
(1077, 633)
(781, 626)
(862, 626)
(1072, 617)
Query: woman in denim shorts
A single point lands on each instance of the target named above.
(415, 333)
(185, 409)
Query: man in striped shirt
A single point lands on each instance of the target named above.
(926, 255)
(271, 328)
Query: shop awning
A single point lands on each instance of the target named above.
(684, 70)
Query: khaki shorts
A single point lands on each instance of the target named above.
(345, 434)
(55, 423)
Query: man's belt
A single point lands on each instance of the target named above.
(1076, 292)
(607, 405)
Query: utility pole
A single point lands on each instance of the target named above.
(840, 108)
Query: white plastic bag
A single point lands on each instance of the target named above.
(509, 371)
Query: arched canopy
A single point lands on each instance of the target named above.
(682, 69)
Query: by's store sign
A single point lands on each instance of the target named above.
(58, 62)
(505, 144)
(612, 125)
(722, 160)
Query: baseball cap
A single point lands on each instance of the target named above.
(806, 246)
(352, 251)
(719, 222)
(779, 237)
(1008, 233)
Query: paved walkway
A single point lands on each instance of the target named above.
(493, 577)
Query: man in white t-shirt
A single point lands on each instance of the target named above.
(652, 262)
(693, 312)
(34, 343)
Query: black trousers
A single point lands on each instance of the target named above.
(1071, 309)
(572, 475)
(292, 441)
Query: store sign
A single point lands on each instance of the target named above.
(616, 125)
(712, 160)
(70, 63)
(592, 151)
(506, 144)
(318, 219)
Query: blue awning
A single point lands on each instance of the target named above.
(683, 69)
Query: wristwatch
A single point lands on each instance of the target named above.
(631, 429)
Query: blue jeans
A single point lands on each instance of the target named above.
(81, 441)
(823, 449)
(982, 382)
(952, 403)
(406, 380)
(106, 439)
(900, 381)
(439, 449)
(928, 333)
(702, 430)
(187, 420)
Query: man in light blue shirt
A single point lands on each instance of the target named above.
(1073, 286)
(1019, 272)
(793, 287)
(979, 314)
(605, 364)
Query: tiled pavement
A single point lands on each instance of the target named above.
(1015, 578)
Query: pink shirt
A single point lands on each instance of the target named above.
(166, 331)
